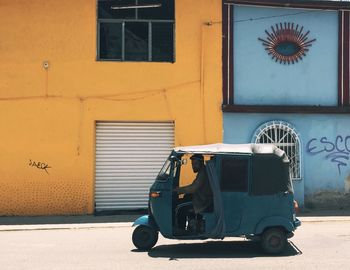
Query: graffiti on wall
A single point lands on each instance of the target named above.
(39, 165)
(336, 151)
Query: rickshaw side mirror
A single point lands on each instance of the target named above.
(174, 158)
(182, 161)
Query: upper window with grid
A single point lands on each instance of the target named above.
(136, 30)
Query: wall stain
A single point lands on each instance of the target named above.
(330, 200)
(347, 184)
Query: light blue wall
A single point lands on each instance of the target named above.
(260, 80)
(325, 145)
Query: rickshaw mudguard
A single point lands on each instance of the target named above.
(146, 220)
(270, 222)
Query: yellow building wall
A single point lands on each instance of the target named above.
(49, 115)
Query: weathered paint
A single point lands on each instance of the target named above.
(347, 184)
(259, 80)
(329, 200)
(48, 114)
(324, 155)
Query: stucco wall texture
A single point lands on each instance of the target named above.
(259, 80)
(48, 115)
(325, 171)
(36, 197)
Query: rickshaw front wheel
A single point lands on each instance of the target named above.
(144, 237)
(274, 240)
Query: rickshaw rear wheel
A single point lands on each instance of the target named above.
(274, 240)
(144, 237)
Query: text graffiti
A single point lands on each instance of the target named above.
(337, 151)
(39, 165)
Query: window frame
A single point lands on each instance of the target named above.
(123, 21)
(282, 125)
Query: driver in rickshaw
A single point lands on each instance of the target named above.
(202, 195)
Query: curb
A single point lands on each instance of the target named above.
(325, 219)
(44, 227)
(86, 226)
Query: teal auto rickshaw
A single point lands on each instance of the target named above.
(252, 197)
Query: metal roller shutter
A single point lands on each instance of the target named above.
(128, 158)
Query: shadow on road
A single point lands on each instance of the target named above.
(217, 249)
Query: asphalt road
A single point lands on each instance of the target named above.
(316, 245)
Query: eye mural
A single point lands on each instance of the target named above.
(286, 43)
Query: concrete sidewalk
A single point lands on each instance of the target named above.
(66, 222)
(125, 220)
(324, 215)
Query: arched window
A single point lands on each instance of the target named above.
(284, 136)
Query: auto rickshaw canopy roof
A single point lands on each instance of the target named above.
(222, 148)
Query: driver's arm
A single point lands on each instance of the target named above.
(192, 188)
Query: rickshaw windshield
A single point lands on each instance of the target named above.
(165, 171)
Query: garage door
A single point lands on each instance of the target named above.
(128, 158)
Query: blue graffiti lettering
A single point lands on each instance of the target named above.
(339, 138)
(337, 158)
(347, 144)
(326, 143)
(338, 151)
(310, 149)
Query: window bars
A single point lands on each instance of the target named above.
(284, 136)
